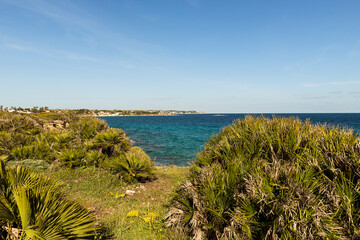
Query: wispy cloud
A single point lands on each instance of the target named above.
(123, 64)
(310, 85)
(76, 57)
(19, 47)
(51, 52)
(63, 12)
(329, 95)
(80, 23)
(162, 99)
(66, 55)
(344, 83)
(315, 97)
(338, 83)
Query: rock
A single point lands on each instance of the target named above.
(130, 192)
(56, 124)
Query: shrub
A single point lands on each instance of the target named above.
(33, 206)
(34, 131)
(63, 140)
(87, 128)
(19, 153)
(18, 123)
(6, 143)
(73, 157)
(94, 158)
(272, 179)
(134, 165)
(10, 140)
(112, 142)
(34, 151)
(23, 137)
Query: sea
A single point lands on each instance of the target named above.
(175, 140)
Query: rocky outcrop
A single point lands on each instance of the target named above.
(56, 124)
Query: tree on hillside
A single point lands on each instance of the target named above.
(35, 109)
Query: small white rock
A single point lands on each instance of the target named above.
(129, 192)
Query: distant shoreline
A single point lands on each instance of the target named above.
(146, 115)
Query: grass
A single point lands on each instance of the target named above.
(102, 192)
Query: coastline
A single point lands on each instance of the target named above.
(143, 115)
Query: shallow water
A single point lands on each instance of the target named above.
(176, 139)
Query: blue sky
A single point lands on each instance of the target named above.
(206, 55)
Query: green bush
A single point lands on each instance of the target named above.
(34, 151)
(63, 140)
(134, 165)
(112, 142)
(94, 158)
(19, 153)
(79, 142)
(73, 157)
(10, 140)
(87, 128)
(34, 131)
(273, 179)
(33, 206)
(6, 143)
(19, 123)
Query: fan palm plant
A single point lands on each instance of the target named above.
(87, 128)
(32, 206)
(112, 141)
(273, 179)
(134, 165)
(72, 157)
(62, 140)
(9, 140)
(94, 157)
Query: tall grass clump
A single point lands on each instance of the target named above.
(273, 179)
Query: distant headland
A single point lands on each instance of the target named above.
(99, 112)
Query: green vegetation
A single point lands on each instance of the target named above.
(273, 179)
(33, 206)
(135, 165)
(105, 194)
(257, 179)
(112, 142)
(70, 141)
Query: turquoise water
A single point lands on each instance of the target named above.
(176, 139)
